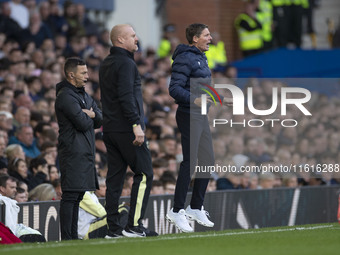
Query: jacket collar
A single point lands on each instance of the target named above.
(67, 84)
(120, 51)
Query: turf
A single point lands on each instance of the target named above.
(308, 239)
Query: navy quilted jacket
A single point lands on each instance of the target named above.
(189, 62)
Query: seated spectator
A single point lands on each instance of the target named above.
(18, 169)
(3, 158)
(6, 121)
(42, 192)
(157, 188)
(38, 172)
(21, 196)
(24, 137)
(37, 30)
(8, 186)
(211, 185)
(57, 187)
(14, 151)
(159, 165)
(23, 186)
(19, 13)
(53, 173)
(266, 181)
(102, 187)
(231, 181)
(8, 25)
(290, 180)
(169, 182)
(169, 145)
(21, 117)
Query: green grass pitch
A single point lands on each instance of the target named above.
(319, 239)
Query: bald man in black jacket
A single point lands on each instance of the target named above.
(123, 135)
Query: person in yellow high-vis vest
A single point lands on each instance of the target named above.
(264, 14)
(164, 49)
(249, 30)
(216, 55)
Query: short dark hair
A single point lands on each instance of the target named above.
(36, 162)
(194, 30)
(72, 63)
(5, 178)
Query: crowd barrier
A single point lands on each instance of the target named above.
(228, 209)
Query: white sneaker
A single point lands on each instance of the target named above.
(199, 215)
(179, 220)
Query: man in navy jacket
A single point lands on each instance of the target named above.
(190, 71)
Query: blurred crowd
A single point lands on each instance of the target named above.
(32, 54)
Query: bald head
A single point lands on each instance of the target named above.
(125, 37)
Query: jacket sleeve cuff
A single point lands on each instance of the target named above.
(192, 98)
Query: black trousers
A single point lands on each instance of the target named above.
(295, 25)
(69, 210)
(120, 154)
(281, 21)
(197, 150)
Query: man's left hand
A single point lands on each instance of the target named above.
(90, 113)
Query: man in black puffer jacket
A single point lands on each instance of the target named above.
(78, 116)
(190, 75)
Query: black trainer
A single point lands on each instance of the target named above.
(138, 231)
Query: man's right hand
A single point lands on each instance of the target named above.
(139, 135)
(198, 101)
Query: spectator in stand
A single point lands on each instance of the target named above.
(21, 196)
(37, 30)
(266, 181)
(22, 99)
(53, 173)
(75, 28)
(157, 188)
(21, 117)
(169, 144)
(8, 186)
(290, 180)
(56, 21)
(39, 172)
(19, 13)
(18, 169)
(212, 185)
(23, 186)
(42, 192)
(9, 26)
(50, 148)
(14, 151)
(89, 26)
(169, 182)
(3, 145)
(57, 187)
(102, 187)
(159, 165)
(6, 121)
(34, 87)
(230, 181)
(24, 137)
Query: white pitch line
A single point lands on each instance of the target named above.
(160, 238)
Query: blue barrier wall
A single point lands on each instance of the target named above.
(283, 63)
